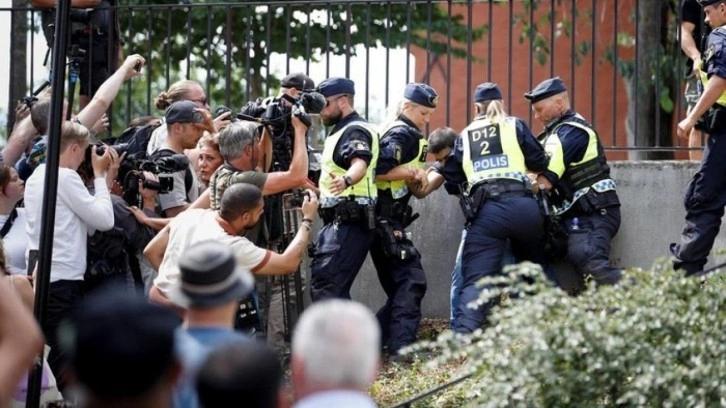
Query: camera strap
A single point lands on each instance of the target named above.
(9, 223)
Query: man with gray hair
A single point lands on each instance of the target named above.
(335, 355)
(244, 160)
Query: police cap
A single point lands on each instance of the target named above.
(487, 91)
(705, 3)
(545, 89)
(336, 86)
(421, 94)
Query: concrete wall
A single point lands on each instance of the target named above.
(652, 217)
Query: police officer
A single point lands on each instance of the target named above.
(347, 193)
(398, 263)
(491, 158)
(579, 178)
(706, 194)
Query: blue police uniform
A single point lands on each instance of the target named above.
(706, 194)
(347, 233)
(584, 192)
(397, 262)
(491, 157)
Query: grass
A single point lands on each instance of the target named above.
(398, 382)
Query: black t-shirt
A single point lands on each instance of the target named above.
(692, 12)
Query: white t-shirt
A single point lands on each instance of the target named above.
(78, 214)
(158, 138)
(15, 244)
(180, 195)
(197, 225)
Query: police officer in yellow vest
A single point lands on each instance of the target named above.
(583, 191)
(347, 193)
(398, 263)
(491, 157)
(706, 194)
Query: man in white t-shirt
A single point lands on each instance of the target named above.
(241, 208)
(186, 123)
(77, 215)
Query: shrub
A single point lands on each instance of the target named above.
(657, 339)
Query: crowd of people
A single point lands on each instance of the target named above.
(151, 264)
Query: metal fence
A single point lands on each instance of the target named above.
(620, 59)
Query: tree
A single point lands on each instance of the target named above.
(229, 47)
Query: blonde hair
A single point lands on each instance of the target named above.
(492, 110)
(178, 91)
(72, 132)
(397, 110)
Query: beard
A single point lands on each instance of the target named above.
(332, 120)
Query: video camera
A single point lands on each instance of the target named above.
(132, 171)
(276, 113)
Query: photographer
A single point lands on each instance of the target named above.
(78, 213)
(115, 254)
(95, 31)
(185, 123)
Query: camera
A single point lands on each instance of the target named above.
(294, 199)
(120, 148)
(132, 170)
(276, 113)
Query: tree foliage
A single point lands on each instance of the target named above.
(228, 45)
(658, 339)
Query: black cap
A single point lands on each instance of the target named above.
(545, 89)
(210, 277)
(705, 3)
(336, 86)
(119, 344)
(421, 94)
(187, 112)
(488, 91)
(299, 81)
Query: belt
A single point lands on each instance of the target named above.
(501, 188)
(331, 202)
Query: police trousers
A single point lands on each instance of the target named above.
(404, 282)
(341, 250)
(704, 201)
(517, 219)
(588, 246)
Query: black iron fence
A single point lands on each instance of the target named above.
(621, 59)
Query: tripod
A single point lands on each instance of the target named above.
(76, 55)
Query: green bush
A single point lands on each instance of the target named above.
(658, 339)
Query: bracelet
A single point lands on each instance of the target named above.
(307, 220)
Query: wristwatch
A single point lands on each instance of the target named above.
(348, 180)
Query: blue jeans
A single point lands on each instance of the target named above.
(457, 278)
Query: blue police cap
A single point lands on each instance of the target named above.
(336, 86)
(705, 3)
(487, 91)
(421, 94)
(545, 89)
